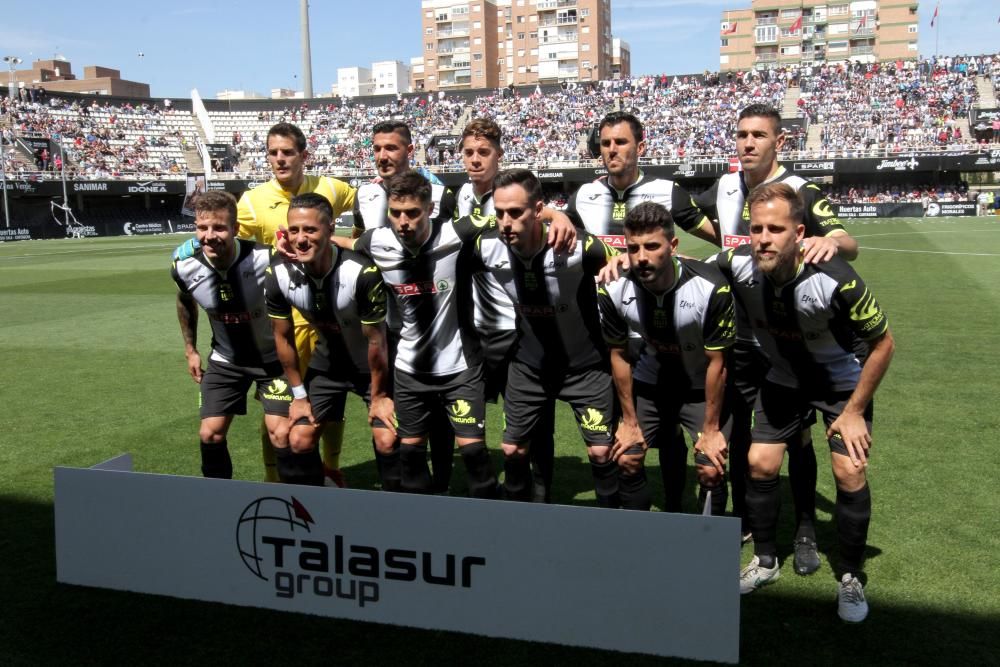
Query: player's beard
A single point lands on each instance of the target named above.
(779, 265)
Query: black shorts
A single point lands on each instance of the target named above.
(659, 410)
(417, 397)
(224, 389)
(328, 394)
(590, 392)
(500, 348)
(781, 413)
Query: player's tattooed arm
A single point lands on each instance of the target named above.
(284, 344)
(187, 316)
(382, 407)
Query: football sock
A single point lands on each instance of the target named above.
(763, 503)
(606, 483)
(517, 478)
(634, 490)
(479, 470)
(673, 469)
(802, 475)
(389, 469)
(215, 461)
(415, 476)
(853, 511)
(442, 440)
(304, 468)
(720, 496)
(543, 454)
(739, 446)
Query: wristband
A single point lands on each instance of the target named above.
(299, 391)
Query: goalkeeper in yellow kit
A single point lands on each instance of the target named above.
(260, 213)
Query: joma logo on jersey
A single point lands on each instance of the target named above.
(423, 287)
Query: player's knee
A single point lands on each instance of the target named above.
(514, 451)
(764, 461)
(211, 435)
(302, 440)
(278, 435)
(848, 477)
(599, 453)
(710, 475)
(384, 440)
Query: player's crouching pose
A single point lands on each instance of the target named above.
(684, 312)
(342, 296)
(225, 276)
(803, 316)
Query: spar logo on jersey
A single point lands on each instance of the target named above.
(459, 412)
(422, 287)
(282, 545)
(592, 419)
(613, 240)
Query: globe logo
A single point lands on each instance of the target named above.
(274, 517)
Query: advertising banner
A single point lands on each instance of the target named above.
(902, 210)
(954, 208)
(517, 570)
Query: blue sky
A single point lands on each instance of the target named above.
(249, 44)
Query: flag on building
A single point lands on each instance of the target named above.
(730, 29)
(861, 23)
(797, 25)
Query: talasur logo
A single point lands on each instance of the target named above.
(279, 542)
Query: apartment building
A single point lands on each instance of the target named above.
(493, 43)
(772, 33)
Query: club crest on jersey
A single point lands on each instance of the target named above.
(619, 211)
(225, 292)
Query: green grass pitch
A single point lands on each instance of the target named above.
(94, 366)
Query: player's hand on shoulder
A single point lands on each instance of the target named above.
(186, 249)
(614, 269)
(819, 249)
(562, 232)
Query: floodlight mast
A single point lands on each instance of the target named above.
(307, 77)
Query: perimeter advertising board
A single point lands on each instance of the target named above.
(515, 570)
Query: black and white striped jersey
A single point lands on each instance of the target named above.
(234, 301)
(432, 289)
(677, 327)
(494, 309)
(806, 328)
(725, 201)
(601, 209)
(555, 298)
(371, 205)
(336, 305)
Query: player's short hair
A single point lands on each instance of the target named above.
(290, 131)
(617, 117)
(215, 200)
(484, 128)
(409, 183)
(761, 111)
(778, 192)
(647, 217)
(397, 126)
(523, 177)
(316, 202)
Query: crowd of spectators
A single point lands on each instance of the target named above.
(854, 108)
(893, 107)
(892, 194)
